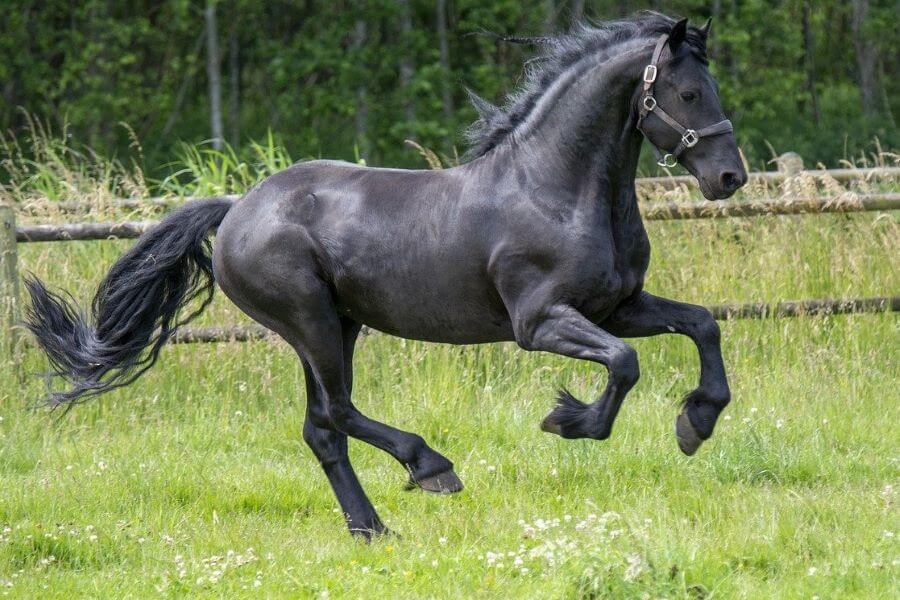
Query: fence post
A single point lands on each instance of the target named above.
(9, 283)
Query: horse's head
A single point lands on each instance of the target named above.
(681, 113)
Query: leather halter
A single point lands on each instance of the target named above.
(648, 104)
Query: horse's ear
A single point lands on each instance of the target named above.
(704, 31)
(678, 35)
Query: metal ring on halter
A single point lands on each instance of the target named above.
(690, 138)
(668, 161)
(650, 73)
(649, 103)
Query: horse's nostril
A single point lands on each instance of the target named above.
(731, 181)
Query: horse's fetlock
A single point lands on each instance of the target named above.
(722, 398)
(602, 433)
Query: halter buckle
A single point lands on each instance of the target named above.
(649, 103)
(668, 161)
(690, 138)
(649, 73)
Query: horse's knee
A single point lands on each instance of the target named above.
(538, 330)
(527, 337)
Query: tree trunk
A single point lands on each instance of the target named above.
(732, 64)
(189, 73)
(446, 92)
(885, 99)
(362, 111)
(550, 16)
(213, 74)
(407, 65)
(809, 53)
(713, 42)
(577, 10)
(866, 60)
(234, 85)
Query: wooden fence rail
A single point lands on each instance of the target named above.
(662, 211)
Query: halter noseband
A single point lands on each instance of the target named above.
(648, 104)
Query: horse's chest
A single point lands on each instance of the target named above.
(613, 271)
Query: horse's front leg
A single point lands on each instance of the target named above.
(647, 315)
(563, 330)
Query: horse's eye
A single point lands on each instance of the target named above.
(688, 96)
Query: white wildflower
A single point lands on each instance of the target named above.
(635, 567)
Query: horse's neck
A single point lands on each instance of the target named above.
(582, 135)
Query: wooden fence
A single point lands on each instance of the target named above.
(11, 235)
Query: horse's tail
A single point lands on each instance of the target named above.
(136, 308)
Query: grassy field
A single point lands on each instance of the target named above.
(195, 481)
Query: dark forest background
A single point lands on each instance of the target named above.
(349, 79)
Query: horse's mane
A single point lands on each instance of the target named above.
(558, 54)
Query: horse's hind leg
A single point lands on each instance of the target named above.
(325, 342)
(330, 448)
(648, 315)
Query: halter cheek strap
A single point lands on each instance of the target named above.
(648, 104)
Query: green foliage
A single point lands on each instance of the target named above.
(94, 64)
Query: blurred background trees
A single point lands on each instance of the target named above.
(355, 78)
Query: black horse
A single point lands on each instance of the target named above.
(537, 239)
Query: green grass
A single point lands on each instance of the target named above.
(793, 497)
(195, 482)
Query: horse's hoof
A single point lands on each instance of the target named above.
(688, 440)
(442, 483)
(368, 534)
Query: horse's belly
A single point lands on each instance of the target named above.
(459, 311)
